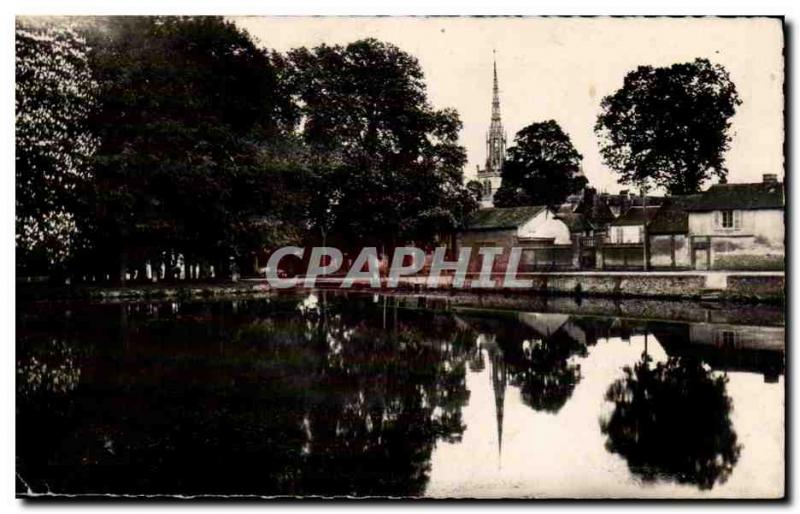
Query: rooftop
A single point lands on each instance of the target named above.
(673, 217)
(636, 216)
(759, 195)
(576, 221)
(500, 218)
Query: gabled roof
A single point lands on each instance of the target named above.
(673, 217)
(595, 209)
(759, 195)
(576, 221)
(636, 216)
(502, 218)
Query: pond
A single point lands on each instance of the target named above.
(331, 394)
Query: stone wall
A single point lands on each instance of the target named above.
(756, 286)
(652, 285)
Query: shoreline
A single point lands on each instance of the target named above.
(713, 287)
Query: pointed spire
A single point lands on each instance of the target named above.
(495, 91)
(495, 139)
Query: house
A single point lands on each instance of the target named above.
(629, 227)
(595, 209)
(738, 226)
(545, 239)
(623, 247)
(587, 215)
(620, 203)
(668, 234)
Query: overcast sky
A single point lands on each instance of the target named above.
(560, 68)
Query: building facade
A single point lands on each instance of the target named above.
(738, 227)
(545, 238)
(668, 234)
(624, 244)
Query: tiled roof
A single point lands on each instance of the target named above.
(636, 216)
(673, 217)
(760, 195)
(499, 218)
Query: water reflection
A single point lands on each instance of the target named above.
(359, 395)
(672, 421)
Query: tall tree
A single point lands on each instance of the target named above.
(189, 109)
(542, 168)
(669, 125)
(55, 94)
(398, 162)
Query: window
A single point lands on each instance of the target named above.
(726, 339)
(727, 219)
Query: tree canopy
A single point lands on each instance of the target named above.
(55, 95)
(206, 149)
(541, 168)
(366, 112)
(669, 125)
(188, 109)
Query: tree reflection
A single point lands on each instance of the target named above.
(546, 374)
(539, 353)
(672, 421)
(294, 398)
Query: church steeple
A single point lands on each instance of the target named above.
(496, 137)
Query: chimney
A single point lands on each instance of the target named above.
(589, 198)
(770, 178)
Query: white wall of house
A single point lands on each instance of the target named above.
(767, 223)
(545, 225)
(625, 234)
(755, 241)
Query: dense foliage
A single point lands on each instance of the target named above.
(55, 94)
(193, 157)
(391, 165)
(669, 125)
(188, 110)
(542, 168)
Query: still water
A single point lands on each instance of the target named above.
(362, 395)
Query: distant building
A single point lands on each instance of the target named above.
(738, 226)
(668, 234)
(624, 244)
(545, 238)
(727, 227)
(618, 204)
(630, 227)
(489, 176)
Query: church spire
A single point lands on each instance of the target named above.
(496, 138)
(495, 92)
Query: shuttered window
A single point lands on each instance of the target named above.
(728, 220)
